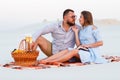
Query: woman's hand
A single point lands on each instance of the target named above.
(93, 45)
(79, 47)
(82, 47)
(75, 29)
(86, 45)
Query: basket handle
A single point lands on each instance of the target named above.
(22, 44)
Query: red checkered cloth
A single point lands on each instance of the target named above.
(56, 64)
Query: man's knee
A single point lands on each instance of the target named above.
(39, 40)
(44, 45)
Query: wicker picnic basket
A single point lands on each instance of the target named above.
(23, 57)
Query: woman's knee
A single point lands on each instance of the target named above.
(74, 52)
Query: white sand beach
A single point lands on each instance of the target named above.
(109, 71)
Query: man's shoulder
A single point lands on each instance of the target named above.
(53, 24)
(56, 23)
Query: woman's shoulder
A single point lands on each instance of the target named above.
(94, 27)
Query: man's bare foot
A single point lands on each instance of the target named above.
(42, 62)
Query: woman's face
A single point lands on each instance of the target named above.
(81, 20)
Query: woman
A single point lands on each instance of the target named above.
(89, 38)
(88, 41)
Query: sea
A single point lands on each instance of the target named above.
(10, 39)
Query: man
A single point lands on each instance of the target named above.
(62, 33)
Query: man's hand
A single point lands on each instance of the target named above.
(34, 46)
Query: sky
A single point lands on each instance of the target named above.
(18, 13)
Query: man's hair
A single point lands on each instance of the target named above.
(67, 11)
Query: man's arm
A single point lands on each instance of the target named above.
(46, 29)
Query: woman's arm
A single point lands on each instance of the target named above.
(75, 29)
(93, 45)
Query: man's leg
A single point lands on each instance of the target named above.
(45, 45)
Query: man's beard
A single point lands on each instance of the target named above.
(70, 24)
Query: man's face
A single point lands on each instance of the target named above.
(70, 18)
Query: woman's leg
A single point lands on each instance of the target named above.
(57, 55)
(67, 56)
